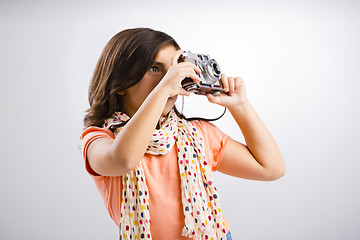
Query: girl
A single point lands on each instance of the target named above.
(147, 161)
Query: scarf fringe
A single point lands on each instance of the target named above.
(204, 234)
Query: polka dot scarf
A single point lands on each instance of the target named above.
(203, 217)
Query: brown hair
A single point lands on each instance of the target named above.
(123, 63)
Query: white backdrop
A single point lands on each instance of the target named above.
(301, 64)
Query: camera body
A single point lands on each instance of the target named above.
(210, 74)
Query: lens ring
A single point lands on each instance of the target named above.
(213, 70)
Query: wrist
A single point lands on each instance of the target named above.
(165, 89)
(161, 91)
(240, 107)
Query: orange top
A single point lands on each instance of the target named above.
(162, 179)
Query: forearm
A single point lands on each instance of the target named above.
(258, 139)
(130, 145)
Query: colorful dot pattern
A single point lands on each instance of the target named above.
(201, 205)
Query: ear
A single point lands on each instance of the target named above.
(120, 93)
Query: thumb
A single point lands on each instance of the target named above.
(183, 92)
(211, 98)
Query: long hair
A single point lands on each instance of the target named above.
(123, 63)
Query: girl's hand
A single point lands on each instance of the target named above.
(234, 95)
(176, 73)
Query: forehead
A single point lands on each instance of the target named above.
(165, 53)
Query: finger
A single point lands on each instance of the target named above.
(183, 92)
(239, 82)
(188, 69)
(224, 82)
(211, 98)
(190, 65)
(193, 76)
(231, 85)
(187, 72)
(175, 57)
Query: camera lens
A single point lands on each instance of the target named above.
(216, 68)
(213, 70)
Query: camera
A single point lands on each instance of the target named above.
(210, 74)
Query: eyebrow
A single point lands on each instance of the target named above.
(159, 64)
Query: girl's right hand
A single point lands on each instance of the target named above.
(176, 73)
(107, 156)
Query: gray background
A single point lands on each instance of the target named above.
(301, 64)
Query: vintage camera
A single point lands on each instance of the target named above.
(210, 74)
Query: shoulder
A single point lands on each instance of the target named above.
(88, 138)
(214, 140)
(208, 129)
(203, 125)
(96, 131)
(92, 133)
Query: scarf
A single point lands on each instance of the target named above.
(200, 200)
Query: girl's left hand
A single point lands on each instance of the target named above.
(234, 95)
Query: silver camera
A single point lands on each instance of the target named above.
(210, 74)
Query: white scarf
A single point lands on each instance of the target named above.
(200, 200)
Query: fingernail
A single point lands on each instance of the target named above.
(226, 89)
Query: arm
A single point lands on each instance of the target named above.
(119, 156)
(261, 158)
(108, 157)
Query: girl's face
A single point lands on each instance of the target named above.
(134, 96)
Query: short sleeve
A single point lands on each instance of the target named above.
(215, 141)
(90, 134)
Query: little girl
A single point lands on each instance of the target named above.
(151, 166)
